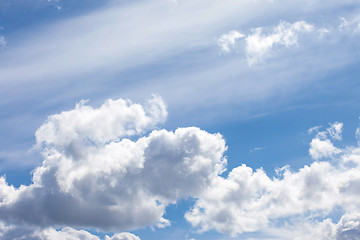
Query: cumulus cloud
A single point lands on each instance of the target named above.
(112, 121)
(102, 170)
(289, 206)
(126, 178)
(11, 232)
(348, 227)
(321, 146)
(123, 236)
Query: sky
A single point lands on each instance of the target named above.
(179, 119)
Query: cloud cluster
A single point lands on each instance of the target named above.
(249, 201)
(107, 168)
(100, 170)
(12, 232)
(259, 45)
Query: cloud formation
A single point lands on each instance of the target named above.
(259, 45)
(13, 232)
(107, 168)
(250, 201)
(321, 146)
(100, 170)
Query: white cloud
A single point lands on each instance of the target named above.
(322, 148)
(335, 130)
(294, 205)
(65, 233)
(114, 120)
(259, 45)
(123, 236)
(228, 40)
(123, 181)
(11, 232)
(96, 173)
(348, 227)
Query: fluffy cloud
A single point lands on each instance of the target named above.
(112, 121)
(123, 236)
(13, 232)
(250, 201)
(321, 146)
(101, 171)
(259, 44)
(348, 227)
(106, 168)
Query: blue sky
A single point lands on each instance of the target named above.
(179, 119)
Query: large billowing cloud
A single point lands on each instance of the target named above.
(100, 170)
(249, 201)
